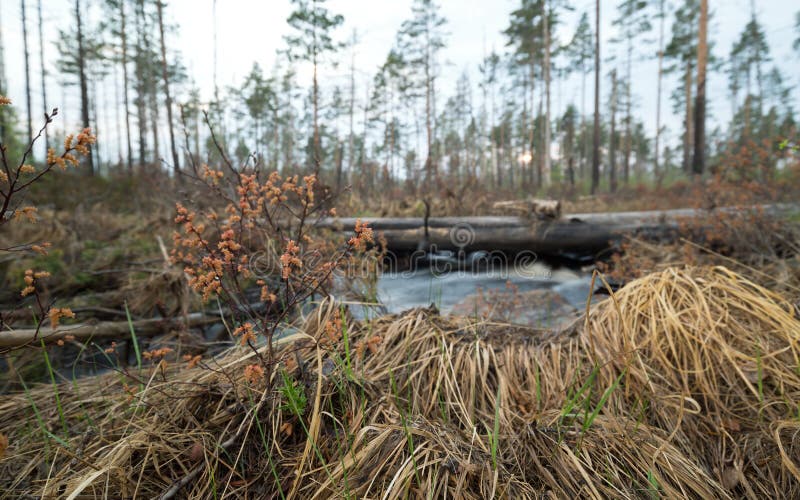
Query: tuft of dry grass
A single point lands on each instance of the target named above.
(684, 384)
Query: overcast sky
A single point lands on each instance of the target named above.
(251, 30)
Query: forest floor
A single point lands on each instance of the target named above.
(684, 384)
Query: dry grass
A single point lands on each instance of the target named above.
(685, 384)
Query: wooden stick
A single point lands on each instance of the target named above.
(103, 330)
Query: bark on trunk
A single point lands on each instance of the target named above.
(165, 75)
(547, 161)
(656, 169)
(42, 71)
(596, 145)
(83, 81)
(103, 330)
(612, 143)
(29, 122)
(698, 162)
(687, 138)
(141, 85)
(578, 234)
(124, 40)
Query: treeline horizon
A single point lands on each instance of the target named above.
(403, 129)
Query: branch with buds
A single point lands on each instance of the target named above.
(15, 179)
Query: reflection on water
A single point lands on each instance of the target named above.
(425, 286)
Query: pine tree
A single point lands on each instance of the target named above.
(29, 121)
(698, 163)
(351, 109)
(612, 142)
(421, 38)
(81, 51)
(166, 82)
(8, 118)
(681, 52)
(489, 76)
(81, 59)
(257, 97)
(596, 136)
(190, 122)
(288, 117)
(116, 27)
(632, 22)
(546, 27)
(796, 44)
(579, 52)
(550, 21)
(42, 71)
(313, 25)
(526, 34)
(388, 88)
(568, 124)
(140, 75)
(661, 21)
(750, 52)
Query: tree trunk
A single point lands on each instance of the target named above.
(154, 119)
(141, 84)
(502, 150)
(584, 126)
(492, 142)
(83, 80)
(338, 161)
(363, 166)
(428, 111)
(29, 121)
(540, 156)
(3, 88)
(527, 141)
(687, 138)
(582, 234)
(103, 330)
(627, 157)
(42, 71)
(317, 153)
(117, 119)
(216, 86)
(758, 61)
(596, 145)
(276, 139)
(698, 163)
(656, 170)
(152, 91)
(546, 152)
(351, 137)
(124, 39)
(612, 143)
(568, 149)
(98, 130)
(165, 75)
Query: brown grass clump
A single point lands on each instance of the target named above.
(684, 384)
(755, 243)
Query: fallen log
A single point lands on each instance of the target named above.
(103, 330)
(530, 207)
(582, 234)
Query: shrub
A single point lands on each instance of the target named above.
(262, 236)
(16, 177)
